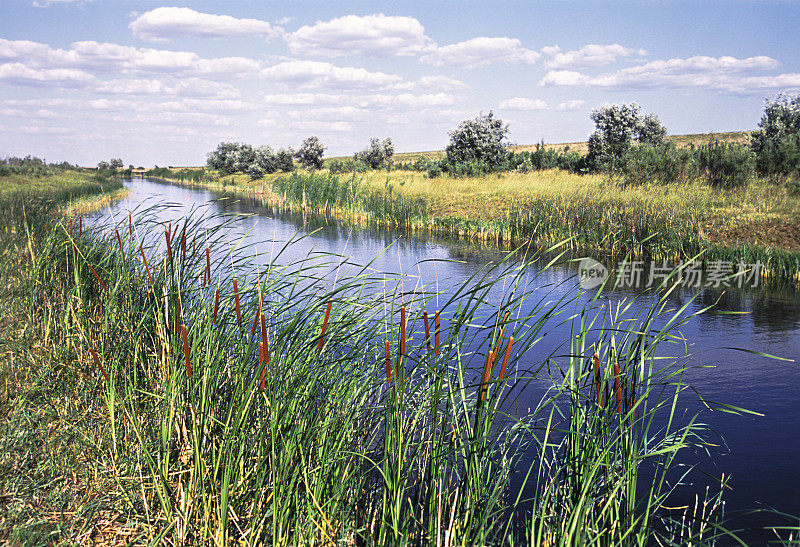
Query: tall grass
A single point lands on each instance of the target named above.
(329, 438)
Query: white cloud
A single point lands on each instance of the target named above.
(726, 74)
(574, 104)
(372, 35)
(522, 103)
(303, 99)
(320, 74)
(589, 55)
(444, 83)
(331, 113)
(48, 3)
(102, 57)
(481, 51)
(164, 23)
(18, 73)
(321, 127)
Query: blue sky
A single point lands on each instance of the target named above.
(163, 83)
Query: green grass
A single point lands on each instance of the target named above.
(196, 439)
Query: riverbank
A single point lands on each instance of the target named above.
(595, 214)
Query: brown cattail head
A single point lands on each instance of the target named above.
(169, 246)
(169, 233)
(402, 330)
(255, 324)
(186, 351)
(146, 267)
(437, 330)
(119, 239)
(193, 249)
(596, 362)
(71, 230)
(236, 300)
(178, 315)
(487, 374)
(216, 306)
(321, 341)
(263, 327)
(427, 330)
(388, 348)
(97, 277)
(80, 226)
(208, 266)
(618, 388)
(99, 364)
(130, 225)
(264, 354)
(506, 357)
(183, 240)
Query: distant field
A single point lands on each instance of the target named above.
(582, 147)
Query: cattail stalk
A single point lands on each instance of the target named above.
(178, 315)
(183, 240)
(437, 330)
(80, 226)
(596, 361)
(506, 357)
(236, 300)
(119, 240)
(427, 331)
(324, 325)
(146, 266)
(208, 268)
(97, 277)
(130, 225)
(618, 388)
(99, 364)
(186, 351)
(388, 348)
(169, 246)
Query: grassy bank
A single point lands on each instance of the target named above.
(149, 394)
(652, 221)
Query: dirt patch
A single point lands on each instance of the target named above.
(773, 232)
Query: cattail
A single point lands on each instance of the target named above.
(71, 231)
(119, 240)
(618, 388)
(146, 267)
(169, 248)
(169, 234)
(596, 361)
(324, 326)
(402, 331)
(236, 300)
(487, 373)
(97, 277)
(437, 330)
(255, 324)
(427, 330)
(193, 249)
(183, 241)
(208, 266)
(216, 306)
(99, 364)
(388, 361)
(130, 225)
(263, 327)
(80, 226)
(506, 357)
(502, 333)
(264, 347)
(178, 314)
(186, 351)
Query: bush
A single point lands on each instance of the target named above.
(284, 160)
(726, 165)
(479, 141)
(615, 128)
(310, 153)
(776, 144)
(664, 163)
(264, 162)
(378, 154)
(231, 157)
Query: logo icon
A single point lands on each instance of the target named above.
(591, 273)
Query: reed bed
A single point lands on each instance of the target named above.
(261, 402)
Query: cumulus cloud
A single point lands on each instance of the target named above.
(19, 74)
(481, 51)
(372, 35)
(321, 74)
(103, 57)
(164, 23)
(439, 82)
(48, 3)
(331, 113)
(522, 103)
(589, 55)
(574, 104)
(321, 127)
(726, 74)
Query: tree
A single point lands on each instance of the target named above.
(615, 128)
(116, 163)
(310, 153)
(481, 139)
(104, 166)
(284, 160)
(264, 162)
(777, 141)
(378, 154)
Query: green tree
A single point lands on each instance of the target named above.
(378, 154)
(480, 139)
(777, 141)
(310, 153)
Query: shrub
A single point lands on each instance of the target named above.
(615, 128)
(264, 162)
(231, 157)
(482, 140)
(726, 165)
(378, 154)
(651, 131)
(310, 153)
(346, 166)
(776, 144)
(284, 160)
